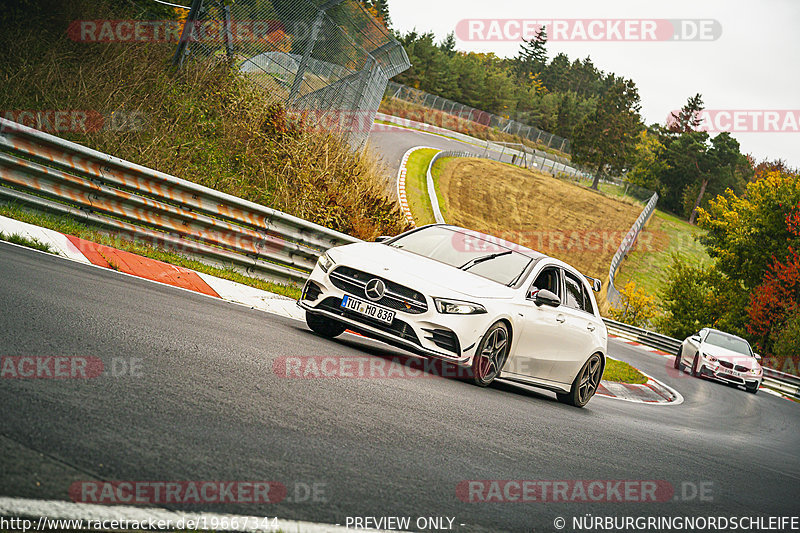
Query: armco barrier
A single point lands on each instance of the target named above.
(774, 379)
(612, 294)
(64, 177)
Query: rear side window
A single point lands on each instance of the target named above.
(577, 298)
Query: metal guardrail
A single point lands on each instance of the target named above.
(774, 379)
(612, 294)
(643, 336)
(66, 178)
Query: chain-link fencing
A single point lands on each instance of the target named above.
(470, 114)
(328, 58)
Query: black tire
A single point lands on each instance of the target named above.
(585, 384)
(324, 326)
(696, 366)
(678, 365)
(752, 390)
(491, 355)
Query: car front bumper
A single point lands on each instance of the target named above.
(424, 334)
(722, 374)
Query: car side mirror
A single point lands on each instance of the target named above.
(758, 357)
(545, 297)
(695, 338)
(382, 238)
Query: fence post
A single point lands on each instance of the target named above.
(191, 18)
(301, 69)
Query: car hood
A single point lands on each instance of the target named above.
(418, 272)
(730, 356)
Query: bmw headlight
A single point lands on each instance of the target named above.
(755, 371)
(709, 357)
(457, 307)
(325, 262)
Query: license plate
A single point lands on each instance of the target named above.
(367, 309)
(732, 373)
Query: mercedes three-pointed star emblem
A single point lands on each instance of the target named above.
(375, 289)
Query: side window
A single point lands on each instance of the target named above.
(548, 279)
(575, 293)
(587, 300)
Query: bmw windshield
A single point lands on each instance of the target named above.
(729, 343)
(472, 252)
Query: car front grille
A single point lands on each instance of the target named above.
(740, 368)
(396, 297)
(398, 328)
(726, 364)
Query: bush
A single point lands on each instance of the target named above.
(697, 297)
(787, 345)
(638, 308)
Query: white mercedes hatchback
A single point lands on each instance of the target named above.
(497, 308)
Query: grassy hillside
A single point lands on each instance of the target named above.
(203, 123)
(569, 222)
(664, 236)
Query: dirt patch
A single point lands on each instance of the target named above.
(577, 225)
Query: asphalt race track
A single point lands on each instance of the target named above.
(205, 404)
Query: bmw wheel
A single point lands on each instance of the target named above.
(585, 384)
(678, 358)
(751, 390)
(324, 326)
(491, 355)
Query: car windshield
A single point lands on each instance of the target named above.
(729, 343)
(494, 260)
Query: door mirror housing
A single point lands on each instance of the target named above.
(757, 356)
(695, 338)
(545, 297)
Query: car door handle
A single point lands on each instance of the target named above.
(560, 318)
(590, 327)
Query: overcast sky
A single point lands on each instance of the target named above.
(753, 65)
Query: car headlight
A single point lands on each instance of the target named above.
(709, 357)
(457, 307)
(755, 371)
(325, 262)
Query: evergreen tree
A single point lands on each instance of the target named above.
(688, 118)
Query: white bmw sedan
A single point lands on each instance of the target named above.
(722, 356)
(502, 310)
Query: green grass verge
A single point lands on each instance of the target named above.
(622, 372)
(665, 235)
(436, 171)
(22, 240)
(90, 233)
(417, 187)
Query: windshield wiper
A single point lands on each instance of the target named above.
(472, 262)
